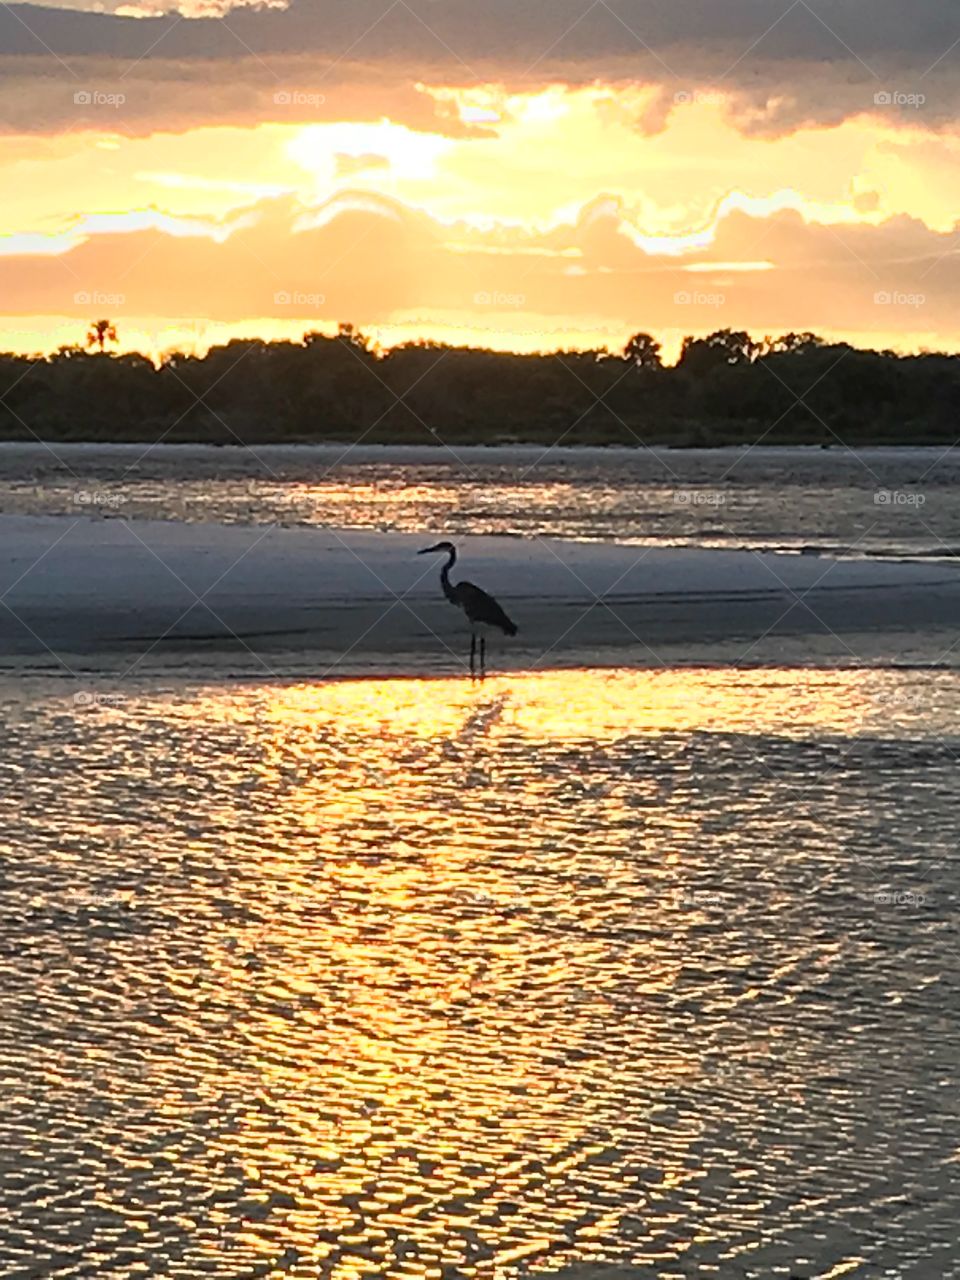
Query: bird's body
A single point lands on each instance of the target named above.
(481, 610)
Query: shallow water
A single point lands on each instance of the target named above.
(893, 502)
(429, 979)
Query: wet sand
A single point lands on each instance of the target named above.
(104, 593)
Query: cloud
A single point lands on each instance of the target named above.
(39, 96)
(774, 70)
(376, 262)
(513, 31)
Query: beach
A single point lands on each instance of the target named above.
(106, 593)
(322, 961)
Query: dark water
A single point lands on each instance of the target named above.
(424, 979)
(900, 502)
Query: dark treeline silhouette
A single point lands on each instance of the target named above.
(725, 389)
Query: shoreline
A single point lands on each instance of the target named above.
(111, 595)
(442, 450)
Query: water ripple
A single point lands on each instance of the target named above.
(425, 979)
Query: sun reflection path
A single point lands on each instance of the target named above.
(437, 979)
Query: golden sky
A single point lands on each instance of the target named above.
(264, 172)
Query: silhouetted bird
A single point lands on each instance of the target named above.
(481, 609)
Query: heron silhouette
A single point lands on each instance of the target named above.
(481, 610)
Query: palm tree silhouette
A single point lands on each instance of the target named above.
(100, 333)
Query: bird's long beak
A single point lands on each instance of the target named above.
(426, 551)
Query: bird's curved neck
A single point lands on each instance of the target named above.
(445, 574)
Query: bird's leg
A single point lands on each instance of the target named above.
(483, 656)
(473, 652)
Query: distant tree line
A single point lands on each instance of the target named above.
(726, 388)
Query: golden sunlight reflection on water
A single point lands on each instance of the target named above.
(435, 979)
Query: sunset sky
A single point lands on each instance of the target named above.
(528, 174)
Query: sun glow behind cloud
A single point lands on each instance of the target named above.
(569, 194)
(539, 160)
(409, 157)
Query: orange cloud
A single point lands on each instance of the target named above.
(388, 267)
(393, 166)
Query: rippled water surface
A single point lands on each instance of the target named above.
(902, 502)
(432, 979)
